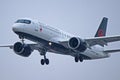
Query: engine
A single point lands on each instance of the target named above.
(22, 49)
(78, 44)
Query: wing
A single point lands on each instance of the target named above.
(33, 46)
(96, 41)
(10, 46)
(102, 40)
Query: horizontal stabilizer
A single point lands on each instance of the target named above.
(112, 51)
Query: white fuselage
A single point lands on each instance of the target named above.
(54, 35)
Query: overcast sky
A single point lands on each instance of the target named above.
(78, 17)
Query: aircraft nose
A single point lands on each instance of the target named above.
(16, 28)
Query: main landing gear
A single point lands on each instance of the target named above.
(45, 60)
(77, 58)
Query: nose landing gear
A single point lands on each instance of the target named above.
(22, 38)
(42, 52)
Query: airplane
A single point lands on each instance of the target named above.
(49, 39)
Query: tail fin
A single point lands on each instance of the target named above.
(102, 28)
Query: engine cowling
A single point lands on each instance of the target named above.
(76, 43)
(22, 49)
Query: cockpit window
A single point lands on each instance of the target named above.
(23, 21)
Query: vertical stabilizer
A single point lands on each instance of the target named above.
(102, 28)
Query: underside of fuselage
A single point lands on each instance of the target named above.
(54, 48)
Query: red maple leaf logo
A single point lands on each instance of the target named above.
(100, 33)
(40, 29)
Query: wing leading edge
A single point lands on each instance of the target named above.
(102, 40)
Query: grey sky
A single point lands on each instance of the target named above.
(78, 17)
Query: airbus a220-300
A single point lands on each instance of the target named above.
(48, 39)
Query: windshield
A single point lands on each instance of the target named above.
(23, 21)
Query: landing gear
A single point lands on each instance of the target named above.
(81, 59)
(42, 61)
(22, 38)
(45, 60)
(78, 58)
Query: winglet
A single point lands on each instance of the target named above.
(102, 28)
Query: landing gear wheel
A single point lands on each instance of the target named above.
(76, 59)
(81, 59)
(47, 61)
(42, 61)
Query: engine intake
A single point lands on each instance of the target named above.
(76, 43)
(22, 49)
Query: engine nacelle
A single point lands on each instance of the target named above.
(76, 43)
(22, 49)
